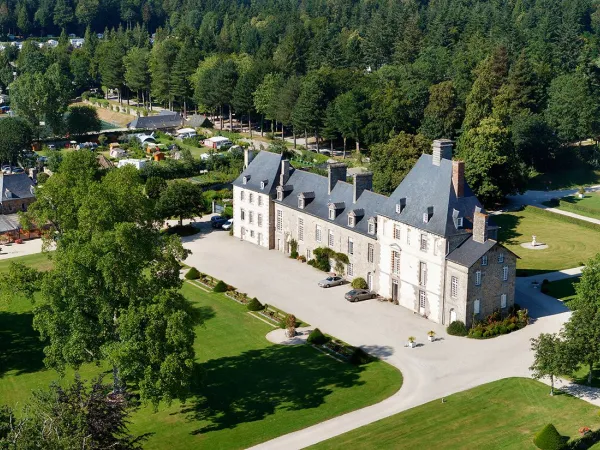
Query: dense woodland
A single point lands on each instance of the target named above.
(512, 82)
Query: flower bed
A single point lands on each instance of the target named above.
(495, 324)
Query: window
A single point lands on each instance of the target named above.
(396, 263)
(331, 213)
(262, 185)
(350, 246)
(436, 242)
(396, 231)
(371, 227)
(242, 195)
(505, 273)
(259, 239)
(280, 195)
(422, 299)
(351, 221)
(398, 208)
(260, 200)
(503, 301)
(459, 222)
(250, 217)
(301, 203)
(478, 278)
(242, 214)
(259, 219)
(408, 236)
(308, 254)
(454, 287)
(350, 270)
(250, 198)
(318, 233)
(422, 273)
(279, 220)
(424, 242)
(330, 241)
(370, 253)
(251, 233)
(425, 218)
(500, 258)
(300, 229)
(245, 180)
(484, 260)
(476, 306)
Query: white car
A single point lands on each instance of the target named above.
(227, 225)
(331, 281)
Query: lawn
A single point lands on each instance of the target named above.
(245, 391)
(504, 414)
(589, 205)
(571, 242)
(563, 290)
(565, 179)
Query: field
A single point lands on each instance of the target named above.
(566, 179)
(246, 390)
(563, 289)
(571, 242)
(589, 205)
(504, 414)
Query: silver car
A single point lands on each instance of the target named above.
(356, 295)
(331, 281)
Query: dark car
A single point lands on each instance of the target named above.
(356, 295)
(218, 221)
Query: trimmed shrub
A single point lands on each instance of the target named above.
(220, 287)
(360, 357)
(42, 177)
(457, 328)
(294, 255)
(192, 274)
(548, 438)
(283, 323)
(316, 337)
(359, 283)
(254, 305)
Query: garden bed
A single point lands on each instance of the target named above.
(495, 324)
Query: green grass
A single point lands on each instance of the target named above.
(504, 414)
(570, 241)
(563, 290)
(565, 179)
(39, 261)
(589, 205)
(245, 391)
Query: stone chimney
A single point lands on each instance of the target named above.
(480, 226)
(285, 172)
(442, 149)
(248, 157)
(362, 182)
(336, 172)
(458, 178)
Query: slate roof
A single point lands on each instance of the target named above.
(265, 166)
(196, 121)
(428, 185)
(17, 185)
(341, 195)
(165, 119)
(467, 253)
(9, 222)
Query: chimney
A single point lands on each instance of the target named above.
(442, 149)
(458, 178)
(480, 226)
(285, 172)
(362, 182)
(336, 172)
(248, 157)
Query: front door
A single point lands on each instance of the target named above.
(395, 290)
(259, 238)
(370, 280)
(243, 234)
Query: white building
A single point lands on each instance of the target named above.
(138, 163)
(217, 142)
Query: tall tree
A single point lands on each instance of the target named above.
(137, 74)
(551, 358)
(443, 113)
(82, 119)
(15, 138)
(180, 199)
(162, 59)
(349, 113)
(86, 11)
(63, 13)
(266, 96)
(183, 68)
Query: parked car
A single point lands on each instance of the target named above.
(6, 169)
(218, 221)
(356, 295)
(331, 281)
(227, 225)
(18, 170)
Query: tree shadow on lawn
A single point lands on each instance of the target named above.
(508, 224)
(20, 347)
(251, 386)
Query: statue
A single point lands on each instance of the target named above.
(533, 241)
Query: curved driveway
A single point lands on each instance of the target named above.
(430, 371)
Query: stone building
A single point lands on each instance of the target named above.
(17, 192)
(429, 246)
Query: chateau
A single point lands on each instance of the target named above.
(429, 246)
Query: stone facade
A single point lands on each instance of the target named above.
(11, 206)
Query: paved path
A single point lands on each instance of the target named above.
(571, 214)
(538, 197)
(430, 371)
(26, 248)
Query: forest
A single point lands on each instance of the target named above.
(515, 84)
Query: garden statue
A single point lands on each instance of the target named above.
(290, 324)
(533, 241)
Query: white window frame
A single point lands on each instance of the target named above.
(245, 180)
(262, 185)
(250, 198)
(242, 195)
(459, 222)
(350, 246)
(500, 258)
(395, 262)
(279, 221)
(300, 229)
(350, 269)
(300, 203)
(308, 254)
(330, 238)
(351, 221)
(331, 213)
(505, 273)
(371, 228)
(242, 215)
(408, 236)
(484, 260)
(250, 216)
(396, 231)
(318, 233)
(478, 278)
(251, 233)
(477, 306)
(398, 208)
(259, 220)
(424, 243)
(422, 273)
(259, 199)
(370, 253)
(422, 299)
(454, 287)
(502, 301)
(280, 195)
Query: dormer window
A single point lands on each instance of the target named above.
(459, 222)
(280, 194)
(300, 203)
(400, 205)
(245, 179)
(351, 221)
(372, 227)
(398, 208)
(331, 213)
(263, 184)
(427, 216)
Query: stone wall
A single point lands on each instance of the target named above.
(15, 205)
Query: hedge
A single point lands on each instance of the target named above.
(548, 438)
(359, 283)
(220, 287)
(316, 337)
(457, 328)
(255, 305)
(192, 274)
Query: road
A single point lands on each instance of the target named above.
(431, 371)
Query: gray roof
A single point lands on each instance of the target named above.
(165, 119)
(9, 222)
(341, 195)
(470, 251)
(428, 185)
(17, 185)
(196, 121)
(265, 166)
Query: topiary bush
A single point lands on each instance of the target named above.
(360, 357)
(255, 305)
(283, 323)
(457, 328)
(220, 287)
(316, 337)
(359, 283)
(548, 438)
(192, 274)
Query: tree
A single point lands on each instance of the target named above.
(83, 119)
(109, 56)
(349, 113)
(225, 78)
(309, 110)
(443, 113)
(391, 161)
(63, 13)
(31, 59)
(15, 138)
(162, 59)
(23, 21)
(243, 100)
(137, 74)
(86, 11)
(183, 68)
(79, 65)
(155, 187)
(180, 199)
(266, 96)
(551, 359)
(75, 416)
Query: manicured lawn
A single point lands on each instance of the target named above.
(563, 289)
(565, 179)
(569, 244)
(504, 414)
(40, 261)
(589, 205)
(245, 391)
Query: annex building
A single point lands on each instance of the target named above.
(429, 246)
